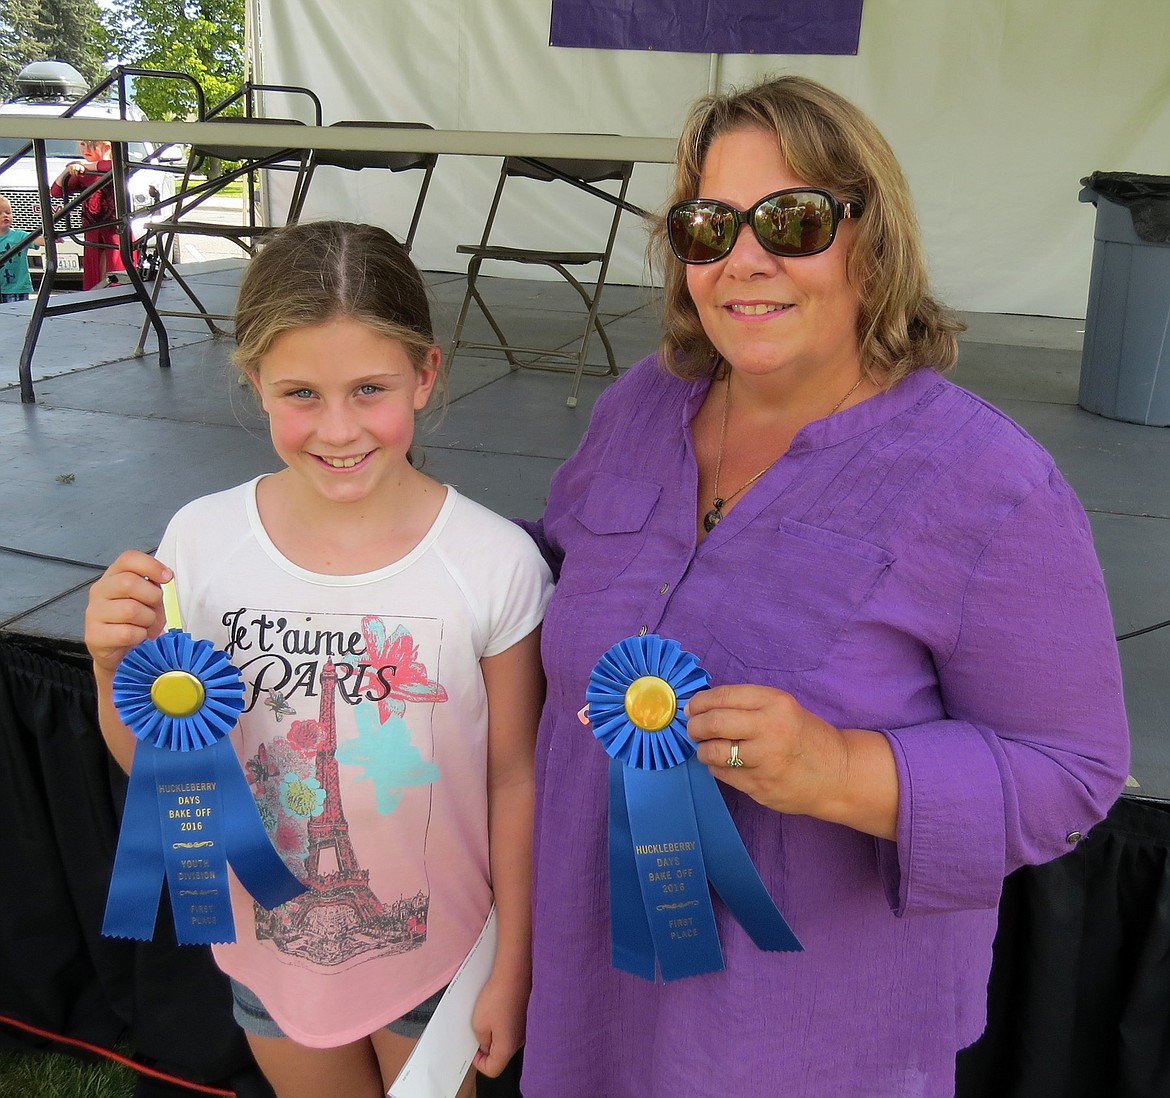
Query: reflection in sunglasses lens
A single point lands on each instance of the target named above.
(794, 223)
(702, 231)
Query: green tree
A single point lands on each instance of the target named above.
(71, 31)
(18, 41)
(202, 38)
(62, 30)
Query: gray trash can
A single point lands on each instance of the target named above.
(1125, 360)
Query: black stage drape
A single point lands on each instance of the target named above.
(1079, 999)
(59, 811)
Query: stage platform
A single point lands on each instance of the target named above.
(114, 445)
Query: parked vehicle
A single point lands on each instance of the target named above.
(49, 89)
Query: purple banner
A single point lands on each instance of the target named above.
(709, 26)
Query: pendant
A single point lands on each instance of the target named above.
(713, 517)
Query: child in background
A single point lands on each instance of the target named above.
(387, 629)
(101, 260)
(15, 280)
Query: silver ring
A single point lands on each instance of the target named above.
(733, 759)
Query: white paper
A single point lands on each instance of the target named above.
(438, 1065)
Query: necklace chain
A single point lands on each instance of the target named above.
(715, 516)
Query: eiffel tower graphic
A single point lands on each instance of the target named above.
(339, 917)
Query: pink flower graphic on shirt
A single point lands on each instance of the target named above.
(396, 675)
(291, 839)
(305, 736)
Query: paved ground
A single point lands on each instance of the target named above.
(205, 249)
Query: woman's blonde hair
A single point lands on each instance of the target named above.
(318, 271)
(827, 142)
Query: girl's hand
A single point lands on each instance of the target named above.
(125, 608)
(74, 167)
(792, 760)
(498, 1021)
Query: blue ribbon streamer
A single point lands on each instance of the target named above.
(670, 832)
(189, 812)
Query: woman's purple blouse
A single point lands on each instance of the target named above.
(915, 565)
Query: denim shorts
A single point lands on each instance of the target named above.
(249, 1012)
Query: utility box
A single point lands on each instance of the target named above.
(1125, 360)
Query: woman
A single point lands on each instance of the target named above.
(895, 594)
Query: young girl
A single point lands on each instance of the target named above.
(101, 260)
(387, 631)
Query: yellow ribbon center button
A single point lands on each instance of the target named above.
(651, 703)
(177, 693)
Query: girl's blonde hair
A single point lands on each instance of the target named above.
(827, 142)
(311, 273)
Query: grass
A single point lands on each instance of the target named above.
(54, 1075)
(234, 189)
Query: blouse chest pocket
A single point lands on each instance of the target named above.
(606, 532)
(795, 589)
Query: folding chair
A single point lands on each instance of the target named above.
(355, 161)
(249, 160)
(583, 174)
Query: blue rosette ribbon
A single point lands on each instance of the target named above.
(189, 812)
(670, 832)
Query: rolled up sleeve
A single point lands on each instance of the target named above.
(1035, 747)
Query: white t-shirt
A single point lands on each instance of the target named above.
(364, 741)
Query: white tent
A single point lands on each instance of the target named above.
(996, 108)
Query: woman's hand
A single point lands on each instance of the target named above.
(792, 760)
(125, 608)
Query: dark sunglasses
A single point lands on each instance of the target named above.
(793, 222)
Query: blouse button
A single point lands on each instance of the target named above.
(642, 631)
(1072, 838)
(664, 588)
